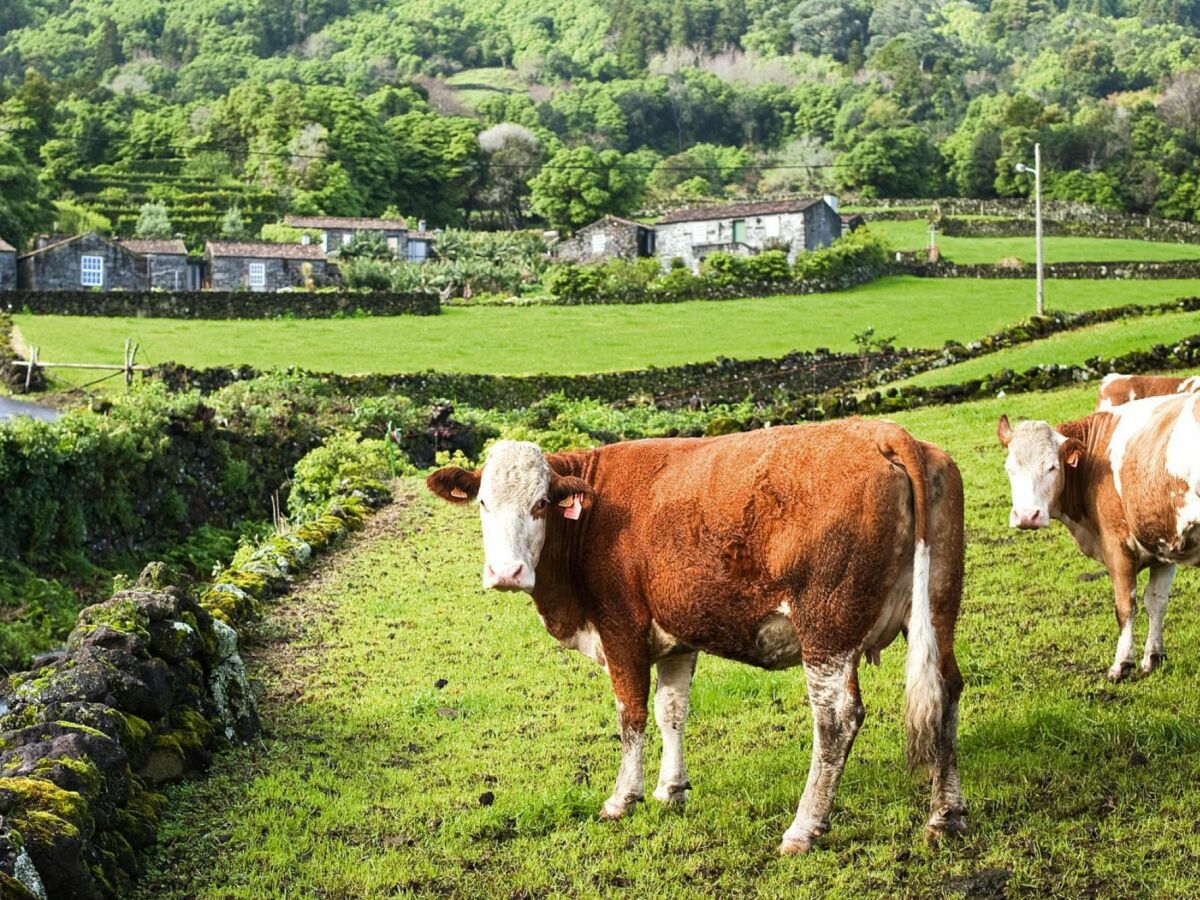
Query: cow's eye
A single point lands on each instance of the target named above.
(482, 505)
(1053, 468)
(540, 505)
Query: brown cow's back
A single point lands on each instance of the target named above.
(1116, 390)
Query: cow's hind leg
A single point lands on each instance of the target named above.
(1155, 601)
(837, 715)
(947, 809)
(1124, 580)
(670, 712)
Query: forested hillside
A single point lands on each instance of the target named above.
(492, 112)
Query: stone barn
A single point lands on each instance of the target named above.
(747, 229)
(262, 265)
(84, 262)
(166, 262)
(338, 231)
(608, 238)
(8, 266)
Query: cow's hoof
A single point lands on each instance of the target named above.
(616, 808)
(1120, 672)
(946, 824)
(796, 846)
(672, 795)
(1152, 662)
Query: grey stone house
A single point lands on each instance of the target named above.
(262, 265)
(84, 262)
(746, 229)
(166, 262)
(8, 266)
(608, 238)
(337, 231)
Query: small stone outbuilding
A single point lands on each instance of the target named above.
(263, 266)
(338, 231)
(608, 238)
(166, 262)
(8, 266)
(84, 262)
(746, 229)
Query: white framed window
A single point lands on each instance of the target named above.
(91, 271)
(257, 276)
(599, 243)
(346, 239)
(771, 226)
(699, 232)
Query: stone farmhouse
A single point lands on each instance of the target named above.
(263, 266)
(338, 231)
(793, 226)
(608, 238)
(84, 262)
(8, 266)
(167, 265)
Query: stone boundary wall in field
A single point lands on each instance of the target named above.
(221, 304)
(1099, 271)
(1108, 225)
(720, 381)
(149, 685)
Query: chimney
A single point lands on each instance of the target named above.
(420, 225)
(832, 200)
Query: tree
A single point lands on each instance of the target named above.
(824, 28)
(233, 224)
(24, 207)
(896, 162)
(154, 221)
(512, 155)
(579, 185)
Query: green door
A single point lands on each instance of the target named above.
(739, 231)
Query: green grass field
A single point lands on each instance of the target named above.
(572, 339)
(914, 235)
(372, 781)
(1108, 339)
(474, 85)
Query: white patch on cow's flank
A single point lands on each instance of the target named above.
(1132, 419)
(1183, 462)
(1188, 385)
(587, 641)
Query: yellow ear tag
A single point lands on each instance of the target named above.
(458, 493)
(566, 502)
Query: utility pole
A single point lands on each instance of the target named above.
(1037, 226)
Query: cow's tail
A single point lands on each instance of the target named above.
(924, 692)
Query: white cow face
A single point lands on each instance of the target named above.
(1037, 454)
(517, 491)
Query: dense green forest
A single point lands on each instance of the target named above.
(492, 112)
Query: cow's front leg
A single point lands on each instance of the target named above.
(671, 696)
(837, 715)
(631, 684)
(1124, 579)
(1155, 601)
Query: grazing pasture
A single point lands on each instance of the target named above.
(914, 235)
(427, 738)
(572, 339)
(1069, 348)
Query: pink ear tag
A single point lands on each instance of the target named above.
(573, 511)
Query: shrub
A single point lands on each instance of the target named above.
(570, 279)
(345, 465)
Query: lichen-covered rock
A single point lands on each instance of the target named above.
(56, 826)
(97, 675)
(19, 878)
(230, 689)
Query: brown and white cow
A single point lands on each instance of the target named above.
(1116, 389)
(1126, 483)
(787, 546)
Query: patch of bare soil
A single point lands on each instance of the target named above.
(278, 652)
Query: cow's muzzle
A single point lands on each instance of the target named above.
(1028, 519)
(512, 576)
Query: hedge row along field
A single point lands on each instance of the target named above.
(222, 304)
(149, 685)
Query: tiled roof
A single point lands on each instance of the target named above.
(165, 247)
(6, 247)
(264, 250)
(738, 210)
(61, 242)
(422, 236)
(350, 224)
(619, 220)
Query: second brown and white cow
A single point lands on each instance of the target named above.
(1116, 389)
(810, 546)
(1126, 483)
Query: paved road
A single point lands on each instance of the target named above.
(10, 408)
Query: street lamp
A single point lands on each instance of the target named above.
(1036, 169)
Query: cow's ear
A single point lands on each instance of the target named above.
(454, 484)
(564, 488)
(1070, 453)
(1004, 431)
